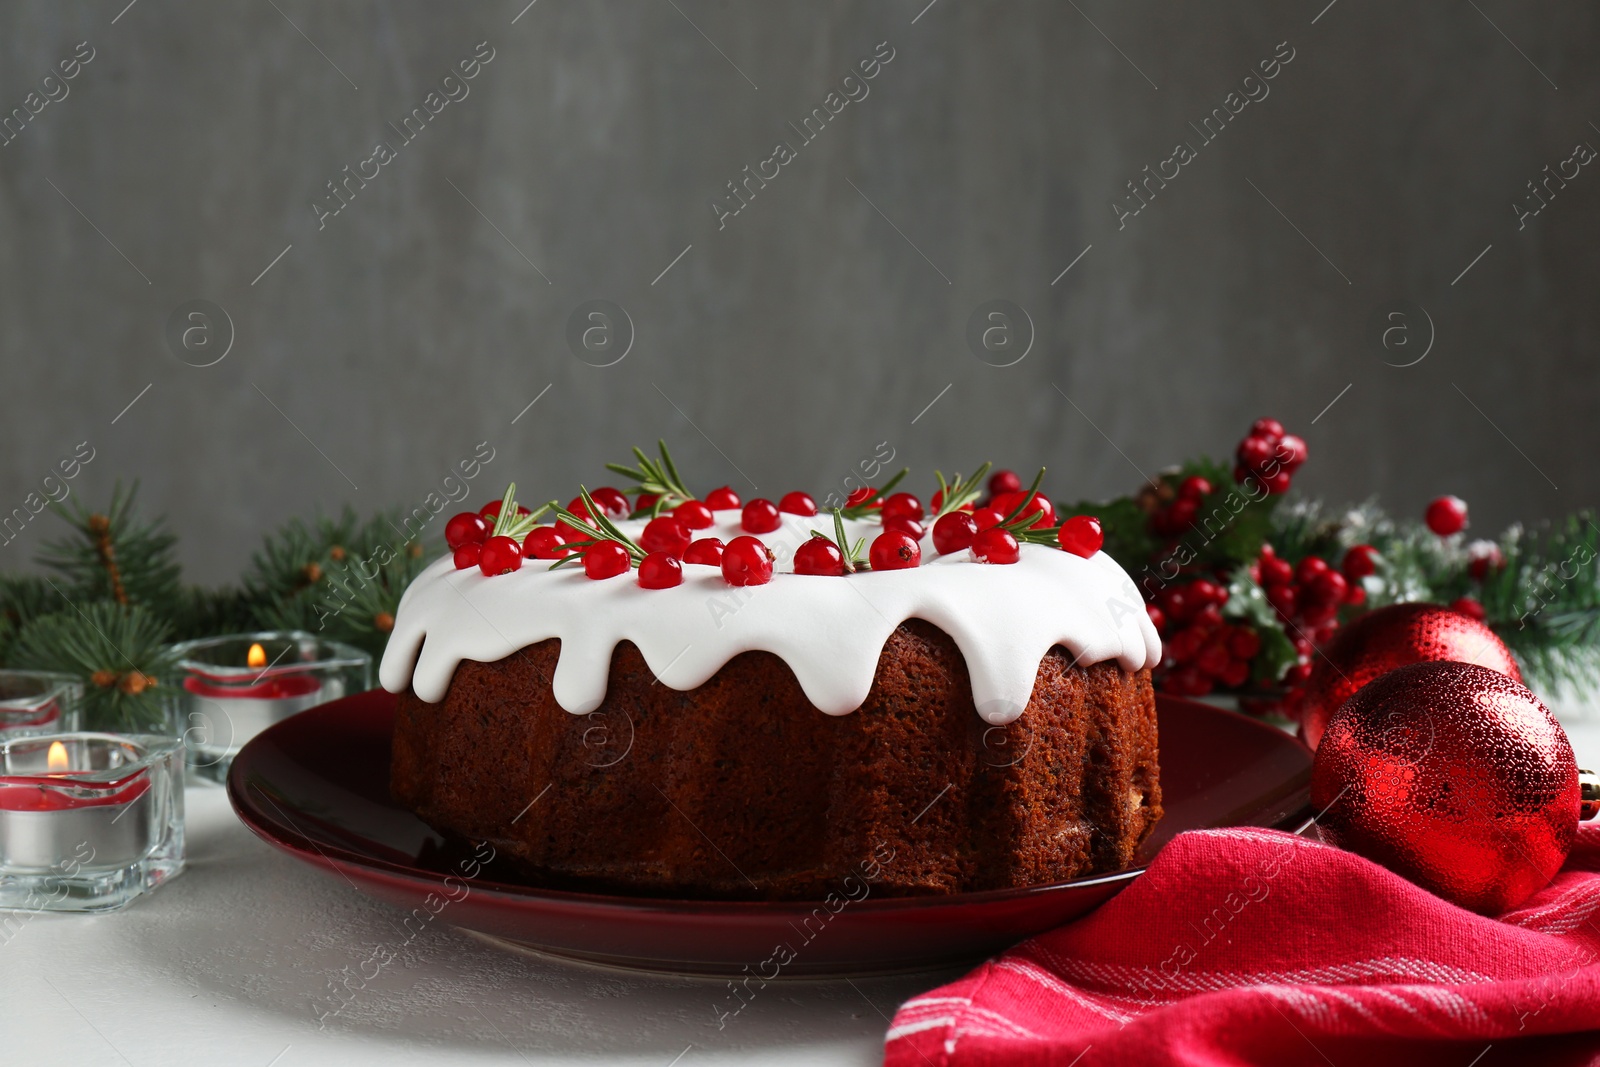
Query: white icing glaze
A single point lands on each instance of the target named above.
(829, 630)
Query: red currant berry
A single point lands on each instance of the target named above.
(1292, 452)
(861, 496)
(819, 556)
(723, 499)
(1359, 561)
(1004, 482)
(1266, 428)
(1158, 618)
(1081, 535)
(953, 532)
(1175, 602)
(797, 503)
(1206, 591)
(1254, 452)
(611, 502)
(658, 570)
(664, 533)
(694, 515)
(467, 527)
(1213, 659)
(760, 516)
(1283, 599)
(908, 526)
(1237, 674)
(1244, 643)
(545, 542)
(1483, 557)
(1297, 674)
(1355, 595)
(1038, 505)
(988, 517)
(893, 551)
(1309, 568)
(706, 551)
(747, 561)
(1330, 587)
(1447, 515)
(1194, 487)
(904, 505)
(1276, 571)
(1181, 514)
(646, 501)
(1470, 607)
(605, 559)
(995, 545)
(1277, 482)
(1208, 618)
(500, 555)
(467, 555)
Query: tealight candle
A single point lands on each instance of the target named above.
(88, 821)
(231, 688)
(38, 702)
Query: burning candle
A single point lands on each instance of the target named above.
(88, 821)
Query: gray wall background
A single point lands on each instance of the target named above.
(823, 319)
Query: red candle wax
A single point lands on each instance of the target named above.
(283, 687)
(31, 793)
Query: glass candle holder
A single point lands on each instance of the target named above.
(88, 822)
(39, 702)
(230, 688)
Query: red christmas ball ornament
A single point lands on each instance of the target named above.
(1391, 637)
(1446, 515)
(1453, 776)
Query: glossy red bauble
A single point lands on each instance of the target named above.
(605, 559)
(797, 503)
(1446, 515)
(723, 499)
(500, 555)
(706, 551)
(902, 505)
(893, 551)
(466, 528)
(819, 556)
(695, 515)
(467, 555)
(610, 501)
(954, 532)
(760, 516)
(545, 542)
(1081, 535)
(664, 533)
(659, 570)
(1390, 637)
(995, 545)
(747, 561)
(1453, 776)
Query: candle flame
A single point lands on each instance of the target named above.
(57, 758)
(257, 657)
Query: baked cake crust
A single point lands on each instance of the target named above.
(741, 789)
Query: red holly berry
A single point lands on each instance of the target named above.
(1291, 452)
(747, 561)
(1244, 643)
(1275, 570)
(1468, 606)
(1447, 515)
(1237, 674)
(659, 570)
(819, 556)
(1484, 557)
(1158, 618)
(1277, 482)
(1174, 602)
(1205, 591)
(694, 514)
(1267, 428)
(1297, 674)
(1329, 587)
(860, 496)
(664, 533)
(1283, 599)
(903, 505)
(611, 502)
(500, 555)
(1081, 535)
(1254, 451)
(706, 551)
(1208, 617)
(466, 528)
(894, 550)
(953, 532)
(1003, 481)
(1194, 487)
(1359, 561)
(1356, 595)
(1213, 659)
(467, 555)
(908, 526)
(995, 545)
(723, 499)
(605, 559)
(760, 516)
(797, 503)
(1181, 514)
(545, 542)
(1309, 568)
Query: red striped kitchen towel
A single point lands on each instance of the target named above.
(1257, 947)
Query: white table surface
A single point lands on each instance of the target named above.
(230, 962)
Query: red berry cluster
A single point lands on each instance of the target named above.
(1308, 595)
(1446, 515)
(1174, 518)
(1270, 454)
(1199, 649)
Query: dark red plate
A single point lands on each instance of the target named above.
(317, 786)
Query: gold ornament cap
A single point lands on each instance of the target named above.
(1589, 794)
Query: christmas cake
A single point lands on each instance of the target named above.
(702, 698)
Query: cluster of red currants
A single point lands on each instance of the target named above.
(1176, 517)
(1308, 595)
(1199, 649)
(1270, 454)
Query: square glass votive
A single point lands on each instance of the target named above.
(88, 822)
(39, 702)
(228, 689)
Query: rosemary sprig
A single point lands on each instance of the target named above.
(1020, 525)
(659, 477)
(508, 523)
(865, 507)
(604, 530)
(958, 492)
(854, 554)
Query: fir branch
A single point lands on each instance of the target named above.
(115, 555)
(874, 500)
(121, 652)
